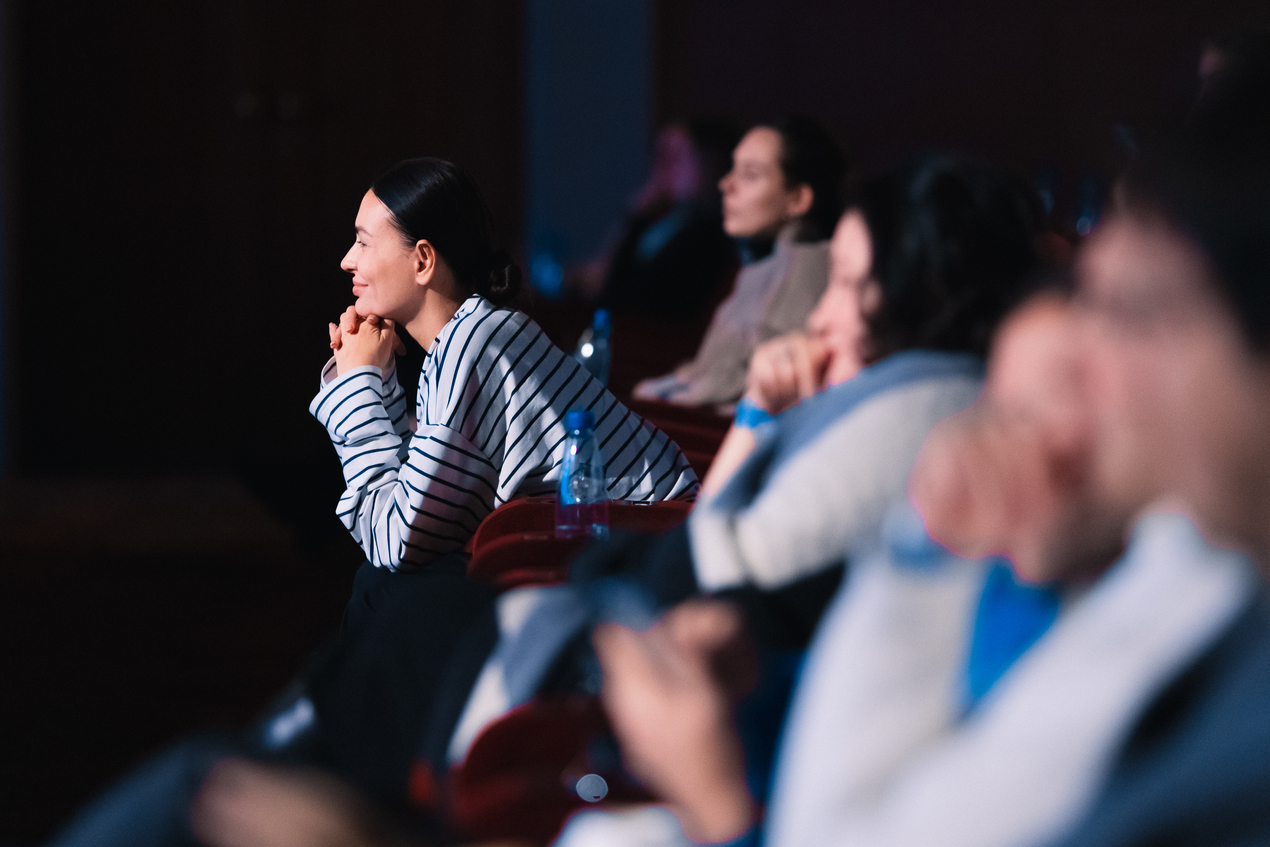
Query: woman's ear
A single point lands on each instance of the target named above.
(799, 201)
(424, 257)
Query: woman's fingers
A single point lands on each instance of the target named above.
(821, 358)
(784, 371)
(806, 375)
(398, 347)
(349, 320)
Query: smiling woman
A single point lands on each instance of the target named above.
(493, 391)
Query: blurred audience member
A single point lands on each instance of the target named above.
(672, 255)
(1176, 297)
(942, 700)
(1131, 709)
(1231, 52)
(907, 271)
(785, 190)
(926, 262)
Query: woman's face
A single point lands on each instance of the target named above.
(838, 319)
(756, 201)
(383, 267)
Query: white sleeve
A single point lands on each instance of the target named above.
(408, 498)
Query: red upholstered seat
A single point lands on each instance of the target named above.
(519, 775)
(516, 544)
(669, 414)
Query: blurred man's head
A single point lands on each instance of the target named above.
(1175, 294)
(1014, 475)
(1180, 397)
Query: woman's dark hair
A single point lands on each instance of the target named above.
(809, 156)
(436, 200)
(954, 249)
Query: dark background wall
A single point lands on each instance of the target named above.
(1035, 84)
(587, 123)
(184, 180)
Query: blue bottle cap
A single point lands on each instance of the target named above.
(601, 319)
(580, 419)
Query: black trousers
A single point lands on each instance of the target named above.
(409, 648)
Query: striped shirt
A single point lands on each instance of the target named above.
(493, 394)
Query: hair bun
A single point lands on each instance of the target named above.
(505, 279)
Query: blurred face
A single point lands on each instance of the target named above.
(675, 171)
(756, 201)
(1180, 401)
(383, 267)
(1013, 475)
(837, 322)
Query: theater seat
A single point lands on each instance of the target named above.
(516, 544)
(520, 776)
(669, 414)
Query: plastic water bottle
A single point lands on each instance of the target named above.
(593, 347)
(582, 504)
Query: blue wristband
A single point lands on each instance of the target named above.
(749, 415)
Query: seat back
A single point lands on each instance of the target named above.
(516, 544)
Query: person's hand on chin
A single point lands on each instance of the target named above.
(786, 371)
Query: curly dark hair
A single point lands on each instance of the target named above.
(954, 249)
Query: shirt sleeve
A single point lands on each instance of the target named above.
(408, 498)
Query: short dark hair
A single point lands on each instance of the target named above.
(1211, 179)
(436, 200)
(810, 156)
(954, 249)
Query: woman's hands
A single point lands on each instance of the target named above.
(787, 370)
(359, 341)
(669, 693)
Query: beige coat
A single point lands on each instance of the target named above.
(771, 297)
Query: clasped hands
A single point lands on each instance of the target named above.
(360, 341)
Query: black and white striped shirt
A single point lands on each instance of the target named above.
(492, 399)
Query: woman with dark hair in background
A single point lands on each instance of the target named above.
(926, 257)
(784, 194)
(926, 262)
(670, 256)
